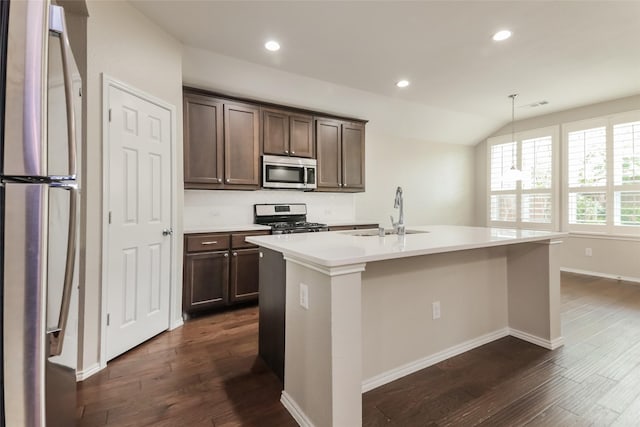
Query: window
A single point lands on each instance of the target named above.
(603, 175)
(626, 174)
(587, 178)
(527, 202)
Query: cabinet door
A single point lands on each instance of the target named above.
(353, 156)
(328, 142)
(206, 283)
(244, 274)
(301, 136)
(203, 143)
(275, 128)
(242, 144)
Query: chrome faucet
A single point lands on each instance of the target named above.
(398, 227)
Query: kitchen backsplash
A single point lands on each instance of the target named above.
(223, 208)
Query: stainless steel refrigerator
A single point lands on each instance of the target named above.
(39, 127)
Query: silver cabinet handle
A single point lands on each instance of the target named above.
(286, 151)
(167, 232)
(226, 254)
(293, 152)
(59, 25)
(235, 254)
(56, 335)
(212, 242)
(228, 180)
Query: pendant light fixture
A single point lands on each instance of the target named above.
(514, 174)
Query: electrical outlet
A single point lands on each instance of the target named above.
(436, 310)
(304, 296)
(588, 252)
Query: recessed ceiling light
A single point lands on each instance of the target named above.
(272, 45)
(403, 83)
(502, 35)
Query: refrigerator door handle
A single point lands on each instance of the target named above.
(56, 335)
(57, 24)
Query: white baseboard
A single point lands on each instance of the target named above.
(409, 368)
(82, 375)
(603, 275)
(295, 411)
(176, 323)
(549, 345)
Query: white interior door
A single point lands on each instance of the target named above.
(139, 253)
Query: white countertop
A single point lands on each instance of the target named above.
(339, 248)
(226, 228)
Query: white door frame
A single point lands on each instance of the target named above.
(175, 294)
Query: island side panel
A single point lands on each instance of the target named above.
(323, 362)
(534, 292)
(399, 334)
(272, 310)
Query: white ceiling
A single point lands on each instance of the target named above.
(569, 53)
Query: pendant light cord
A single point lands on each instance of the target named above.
(513, 137)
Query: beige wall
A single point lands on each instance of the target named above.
(401, 149)
(612, 257)
(126, 46)
(397, 324)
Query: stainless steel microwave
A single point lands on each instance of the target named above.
(288, 172)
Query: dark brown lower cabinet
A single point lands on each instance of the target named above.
(220, 269)
(244, 275)
(206, 280)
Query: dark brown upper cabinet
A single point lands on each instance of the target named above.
(340, 148)
(221, 143)
(287, 134)
(353, 156)
(224, 137)
(242, 145)
(203, 141)
(329, 142)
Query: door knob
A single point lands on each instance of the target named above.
(167, 232)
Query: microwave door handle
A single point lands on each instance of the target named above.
(56, 335)
(306, 171)
(57, 24)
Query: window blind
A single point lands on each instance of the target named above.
(503, 156)
(537, 180)
(587, 155)
(529, 202)
(626, 174)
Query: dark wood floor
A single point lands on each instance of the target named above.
(207, 374)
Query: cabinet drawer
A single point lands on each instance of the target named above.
(238, 242)
(207, 242)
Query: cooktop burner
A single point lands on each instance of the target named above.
(286, 218)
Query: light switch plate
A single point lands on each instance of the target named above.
(304, 296)
(435, 308)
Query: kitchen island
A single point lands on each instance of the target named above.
(363, 310)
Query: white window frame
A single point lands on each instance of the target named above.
(609, 228)
(554, 133)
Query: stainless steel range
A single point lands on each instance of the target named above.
(286, 218)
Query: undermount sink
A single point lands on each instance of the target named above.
(373, 233)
